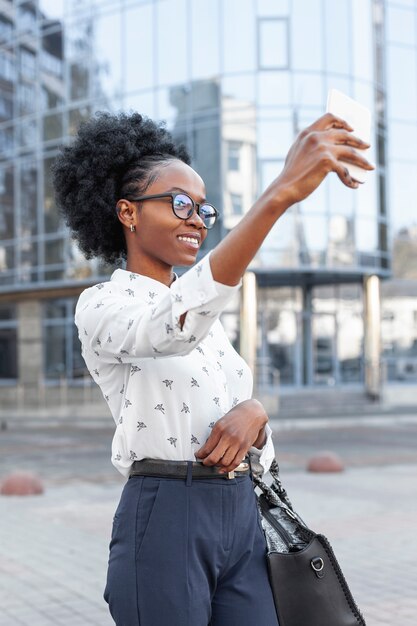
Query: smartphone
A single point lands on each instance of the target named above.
(359, 117)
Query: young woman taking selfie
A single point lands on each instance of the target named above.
(186, 548)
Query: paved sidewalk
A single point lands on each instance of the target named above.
(53, 547)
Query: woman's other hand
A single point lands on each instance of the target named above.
(317, 151)
(233, 434)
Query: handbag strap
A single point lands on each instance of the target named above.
(276, 488)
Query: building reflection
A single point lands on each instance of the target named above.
(237, 102)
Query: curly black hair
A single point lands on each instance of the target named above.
(113, 156)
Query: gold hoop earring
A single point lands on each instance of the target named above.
(132, 228)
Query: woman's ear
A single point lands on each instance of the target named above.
(127, 214)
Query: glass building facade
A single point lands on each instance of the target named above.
(236, 80)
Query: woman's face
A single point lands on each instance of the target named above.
(160, 235)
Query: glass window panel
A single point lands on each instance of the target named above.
(26, 98)
(205, 50)
(172, 26)
(402, 141)
(241, 88)
(52, 56)
(107, 59)
(309, 90)
(76, 116)
(362, 41)
(28, 254)
(138, 41)
(274, 88)
(312, 232)
(7, 71)
(79, 79)
(174, 104)
(341, 241)
(317, 202)
(366, 198)
(28, 199)
(364, 93)
(339, 82)
(27, 17)
(239, 51)
(400, 25)
(306, 50)
(270, 170)
(27, 130)
(337, 17)
(54, 252)
(6, 105)
(7, 261)
(6, 29)
(273, 44)
(27, 64)
(8, 353)
(55, 309)
(274, 138)
(282, 343)
(52, 127)
(402, 195)
(323, 330)
(402, 94)
(341, 198)
(55, 351)
(78, 54)
(366, 235)
(6, 141)
(6, 203)
(144, 104)
(282, 237)
(51, 9)
(273, 8)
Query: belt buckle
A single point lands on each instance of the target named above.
(242, 467)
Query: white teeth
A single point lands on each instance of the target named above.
(189, 239)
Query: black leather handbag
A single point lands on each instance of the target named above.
(307, 582)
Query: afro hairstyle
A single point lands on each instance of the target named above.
(113, 156)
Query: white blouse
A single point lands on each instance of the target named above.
(165, 386)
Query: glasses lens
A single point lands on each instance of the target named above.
(183, 206)
(208, 215)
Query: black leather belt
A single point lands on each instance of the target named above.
(179, 469)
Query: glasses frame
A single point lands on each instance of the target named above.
(196, 205)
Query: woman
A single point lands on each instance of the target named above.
(186, 548)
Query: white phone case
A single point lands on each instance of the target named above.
(359, 117)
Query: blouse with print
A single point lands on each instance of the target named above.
(166, 386)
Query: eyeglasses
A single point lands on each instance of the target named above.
(183, 207)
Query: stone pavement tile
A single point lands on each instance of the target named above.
(53, 556)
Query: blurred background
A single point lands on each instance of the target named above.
(336, 280)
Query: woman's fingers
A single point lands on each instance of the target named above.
(345, 153)
(343, 173)
(342, 137)
(328, 121)
(237, 460)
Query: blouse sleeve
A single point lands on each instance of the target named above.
(121, 327)
(266, 454)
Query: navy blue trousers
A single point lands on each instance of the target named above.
(188, 553)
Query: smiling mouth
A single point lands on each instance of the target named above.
(191, 241)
